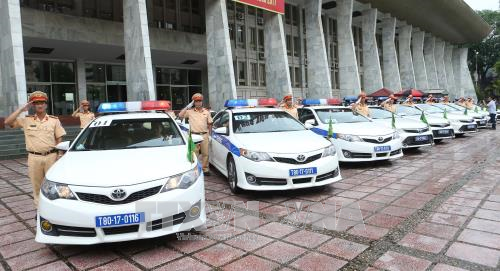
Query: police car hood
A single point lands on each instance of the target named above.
(360, 129)
(402, 123)
(119, 167)
(456, 117)
(282, 142)
(431, 119)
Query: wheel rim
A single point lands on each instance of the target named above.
(231, 175)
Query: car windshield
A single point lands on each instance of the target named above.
(430, 108)
(339, 115)
(129, 134)
(447, 107)
(408, 110)
(457, 107)
(379, 113)
(265, 122)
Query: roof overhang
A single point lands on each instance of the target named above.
(451, 20)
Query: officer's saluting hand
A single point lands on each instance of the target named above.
(42, 133)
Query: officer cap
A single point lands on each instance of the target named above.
(38, 96)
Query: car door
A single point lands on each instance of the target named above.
(306, 114)
(218, 150)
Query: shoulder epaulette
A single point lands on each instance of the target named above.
(54, 117)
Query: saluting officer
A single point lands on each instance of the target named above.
(360, 106)
(289, 106)
(461, 101)
(84, 114)
(200, 123)
(42, 133)
(430, 99)
(469, 103)
(389, 104)
(409, 101)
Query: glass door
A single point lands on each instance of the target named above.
(179, 97)
(117, 92)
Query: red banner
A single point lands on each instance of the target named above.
(277, 6)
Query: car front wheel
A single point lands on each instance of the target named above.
(232, 176)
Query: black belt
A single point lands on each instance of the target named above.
(44, 153)
(198, 133)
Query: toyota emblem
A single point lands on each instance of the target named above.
(301, 158)
(380, 139)
(118, 194)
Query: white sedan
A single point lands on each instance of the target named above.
(356, 138)
(440, 127)
(125, 177)
(461, 123)
(414, 134)
(267, 149)
(480, 117)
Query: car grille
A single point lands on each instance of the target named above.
(436, 133)
(120, 230)
(328, 175)
(359, 155)
(74, 231)
(465, 121)
(465, 128)
(396, 152)
(416, 131)
(270, 181)
(440, 125)
(301, 180)
(295, 162)
(410, 141)
(375, 141)
(103, 199)
(166, 222)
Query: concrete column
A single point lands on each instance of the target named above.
(372, 71)
(463, 79)
(348, 64)
(440, 69)
(418, 61)
(277, 73)
(392, 80)
(12, 73)
(450, 77)
(430, 63)
(405, 58)
(318, 70)
(221, 80)
(81, 79)
(139, 70)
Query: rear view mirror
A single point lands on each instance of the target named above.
(221, 130)
(63, 146)
(310, 124)
(197, 139)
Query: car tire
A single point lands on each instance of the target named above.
(232, 176)
(438, 140)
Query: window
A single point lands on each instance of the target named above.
(62, 72)
(251, 10)
(296, 46)
(261, 40)
(295, 15)
(262, 74)
(95, 73)
(116, 73)
(37, 71)
(288, 14)
(305, 115)
(254, 73)
(222, 121)
(231, 31)
(240, 36)
(288, 45)
(253, 38)
(298, 77)
(290, 70)
(242, 73)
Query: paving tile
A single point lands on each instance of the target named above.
(368, 231)
(20, 248)
(491, 205)
(15, 237)
(409, 203)
(280, 252)
(379, 198)
(54, 266)
(455, 209)
(342, 248)
(275, 229)
(184, 264)
(32, 259)
(219, 254)
(383, 220)
(154, 257)
(463, 201)
(92, 258)
(445, 267)
(488, 214)
(484, 225)
(307, 238)
(353, 194)
(436, 230)
(249, 241)
(447, 219)
(315, 261)
(422, 242)
(480, 238)
(12, 227)
(121, 265)
(397, 211)
(251, 262)
(471, 253)
(395, 261)
(189, 246)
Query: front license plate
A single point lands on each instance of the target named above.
(382, 148)
(472, 126)
(303, 171)
(444, 132)
(117, 220)
(483, 122)
(421, 138)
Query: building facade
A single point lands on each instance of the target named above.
(114, 50)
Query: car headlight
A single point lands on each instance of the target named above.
(182, 181)
(329, 151)
(256, 156)
(52, 190)
(396, 135)
(350, 138)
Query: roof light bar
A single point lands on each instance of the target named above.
(133, 106)
(251, 102)
(312, 102)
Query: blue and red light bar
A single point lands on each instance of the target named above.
(133, 106)
(312, 102)
(251, 102)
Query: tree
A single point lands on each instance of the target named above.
(488, 51)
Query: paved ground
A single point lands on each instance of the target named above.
(436, 209)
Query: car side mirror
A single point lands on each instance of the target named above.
(221, 130)
(178, 121)
(310, 123)
(63, 146)
(197, 139)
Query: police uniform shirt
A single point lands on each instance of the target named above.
(85, 118)
(199, 120)
(409, 103)
(363, 110)
(390, 107)
(469, 105)
(292, 110)
(40, 134)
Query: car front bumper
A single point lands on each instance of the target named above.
(364, 151)
(74, 221)
(448, 132)
(409, 140)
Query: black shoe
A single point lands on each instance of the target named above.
(207, 173)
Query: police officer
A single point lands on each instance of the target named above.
(461, 101)
(469, 103)
(200, 123)
(409, 101)
(446, 100)
(42, 133)
(389, 104)
(84, 114)
(360, 106)
(289, 106)
(430, 99)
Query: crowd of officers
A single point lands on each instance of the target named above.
(43, 132)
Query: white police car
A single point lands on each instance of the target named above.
(413, 133)
(126, 176)
(259, 148)
(356, 138)
(461, 123)
(480, 117)
(440, 127)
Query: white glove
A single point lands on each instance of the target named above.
(190, 105)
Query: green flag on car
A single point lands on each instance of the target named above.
(330, 129)
(393, 121)
(476, 110)
(191, 147)
(424, 119)
(445, 114)
(466, 112)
